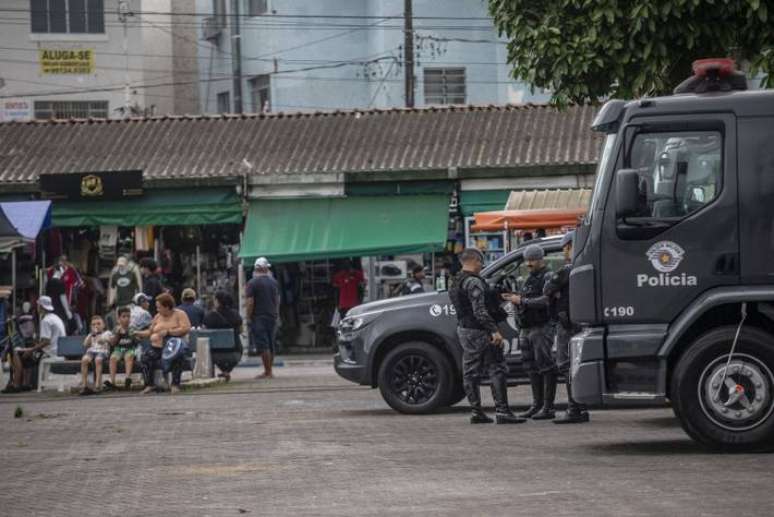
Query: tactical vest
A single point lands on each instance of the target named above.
(561, 305)
(459, 298)
(533, 288)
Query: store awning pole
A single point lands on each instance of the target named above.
(13, 281)
(241, 284)
(42, 270)
(198, 270)
(432, 273)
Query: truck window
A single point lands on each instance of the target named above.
(680, 172)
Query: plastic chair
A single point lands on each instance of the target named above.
(44, 369)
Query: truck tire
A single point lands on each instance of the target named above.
(735, 415)
(416, 378)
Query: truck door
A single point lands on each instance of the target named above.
(756, 199)
(684, 239)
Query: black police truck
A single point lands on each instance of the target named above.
(673, 273)
(408, 346)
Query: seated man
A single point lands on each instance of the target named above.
(193, 311)
(169, 322)
(140, 318)
(97, 345)
(124, 344)
(25, 358)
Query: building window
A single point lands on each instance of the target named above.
(260, 94)
(224, 102)
(68, 16)
(257, 7)
(70, 109)
(444, 85)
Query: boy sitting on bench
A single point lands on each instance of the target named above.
(97, 345)
(124, 343)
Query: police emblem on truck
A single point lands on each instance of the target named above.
(666, 256)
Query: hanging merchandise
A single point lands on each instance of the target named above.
(143, 238)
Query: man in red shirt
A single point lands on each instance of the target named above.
(348, 282)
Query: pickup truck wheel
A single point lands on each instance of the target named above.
(457, 393)
(727, 406)
(416, 378)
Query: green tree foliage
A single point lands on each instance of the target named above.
(583, 50)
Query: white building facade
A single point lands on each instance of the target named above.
(96, 58)
(302, 55)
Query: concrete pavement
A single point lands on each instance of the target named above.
(309, 443)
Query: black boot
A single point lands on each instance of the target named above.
(503, 414)
(576, 413)
(536, 382)
(547, 412)
(474, 397)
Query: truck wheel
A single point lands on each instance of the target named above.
(727, 410)
(416, 378)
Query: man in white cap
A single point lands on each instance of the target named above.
(140, 317)
(24, 359)
(262, 308)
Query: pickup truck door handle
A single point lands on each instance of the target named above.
(727, 264)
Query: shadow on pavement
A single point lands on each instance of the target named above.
(665, 422)
(650, 448)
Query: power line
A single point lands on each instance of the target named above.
(287, 26)
(227, 77)
(277, 15)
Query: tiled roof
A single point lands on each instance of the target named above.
(196, 147)
(548, 199)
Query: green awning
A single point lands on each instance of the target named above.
(472, 201)
(163, 207)
(399, 188)
(360, 226)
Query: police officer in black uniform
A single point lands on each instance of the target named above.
(536, 337)
(558, 291)
(477, 309)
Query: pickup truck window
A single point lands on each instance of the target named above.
(511, 276)
(680, 172)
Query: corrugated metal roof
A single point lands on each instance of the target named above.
(568, 199)
(196, 147)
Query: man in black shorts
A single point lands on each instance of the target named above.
(262, 307)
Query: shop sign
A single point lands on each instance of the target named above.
(92, 185)
(15, 109)
(66, 61)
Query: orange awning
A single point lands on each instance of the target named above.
(527, 219)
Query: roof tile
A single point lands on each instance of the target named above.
(206, 146)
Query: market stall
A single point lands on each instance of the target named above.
(310, 241)
(528, 213)
(20, 225)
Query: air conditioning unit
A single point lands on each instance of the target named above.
(391, 270)
(212, 28)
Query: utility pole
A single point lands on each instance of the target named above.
(123, 16)
(408, 52)
(236, 57)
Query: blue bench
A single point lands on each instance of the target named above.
(222, 344)
(71, 348)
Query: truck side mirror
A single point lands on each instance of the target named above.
(627, 193)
